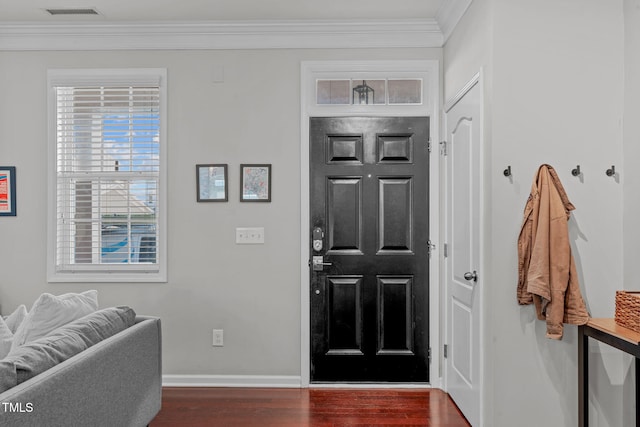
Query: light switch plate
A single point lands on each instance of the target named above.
(250, 235)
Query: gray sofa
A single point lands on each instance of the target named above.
(116, 382)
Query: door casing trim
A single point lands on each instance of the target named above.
(429, 70)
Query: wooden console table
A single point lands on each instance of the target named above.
(608, 332)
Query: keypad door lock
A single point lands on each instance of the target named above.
(318, 235)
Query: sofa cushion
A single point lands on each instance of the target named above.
(6, 338)
(15, 319)
(50, 312)
(8, 326)
(37, 356)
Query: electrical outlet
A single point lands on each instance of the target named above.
(250, 235)
(218, 337)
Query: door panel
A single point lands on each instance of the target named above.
(344, 215)
(345, 149)
(461, 331)
(369, 301)
(395, 322)
(462, 366)
(345, 315)
(396, 215)
(395, 149)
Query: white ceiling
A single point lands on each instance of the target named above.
(12, 11)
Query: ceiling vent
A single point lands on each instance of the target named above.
(67, 12)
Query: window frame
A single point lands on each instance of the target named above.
(94, 272)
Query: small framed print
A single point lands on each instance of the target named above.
(255, 183)
(7, 191)
(212, 183)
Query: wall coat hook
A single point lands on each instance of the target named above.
(576, 171)
(507, 171)
(612, 171)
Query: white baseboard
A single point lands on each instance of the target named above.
(418, 386)
(276, 381)
(271, 381)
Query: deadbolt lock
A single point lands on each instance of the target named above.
(318, 235)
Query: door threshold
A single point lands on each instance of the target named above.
(371, 385)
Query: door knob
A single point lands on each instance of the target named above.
(471, 276)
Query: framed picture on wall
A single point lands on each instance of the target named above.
(7, 191)
(255, 183)
(212, 183)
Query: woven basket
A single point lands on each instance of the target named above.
(628, 309)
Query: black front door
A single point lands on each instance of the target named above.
(369, 186)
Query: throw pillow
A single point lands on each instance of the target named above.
(6, 338)
(50, 312)
(16, 318)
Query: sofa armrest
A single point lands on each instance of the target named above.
(115, 382)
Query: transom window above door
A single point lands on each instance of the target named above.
(369, 91)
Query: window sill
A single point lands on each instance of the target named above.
(102, 277)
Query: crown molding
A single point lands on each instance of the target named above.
(449, 15)
(220, 35)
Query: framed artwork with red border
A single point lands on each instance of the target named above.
(7, 191)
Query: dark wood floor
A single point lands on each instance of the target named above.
(280, 407)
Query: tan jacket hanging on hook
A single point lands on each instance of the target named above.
(547, 274)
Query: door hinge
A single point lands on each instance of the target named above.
(443, 148)
(429, 355)
(445, 250)
(430, 247)
(445, 351)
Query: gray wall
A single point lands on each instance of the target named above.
(556, 94)
(252, 292)
(631, 177)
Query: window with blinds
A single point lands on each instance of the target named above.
(108, 165)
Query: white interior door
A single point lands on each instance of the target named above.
(463, 261)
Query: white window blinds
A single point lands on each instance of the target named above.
(107, 176)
